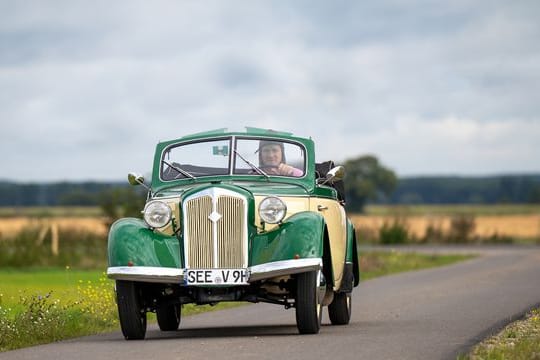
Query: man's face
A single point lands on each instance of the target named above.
(271, 155)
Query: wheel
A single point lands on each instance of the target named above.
(308, 302)
(130, 310)
(340, 309)
(168, 317)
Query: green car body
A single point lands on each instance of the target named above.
(219, 244)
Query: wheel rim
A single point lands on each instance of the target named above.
(143, 318)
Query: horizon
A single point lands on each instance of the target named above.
(147, 180)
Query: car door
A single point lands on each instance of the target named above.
(336, 222)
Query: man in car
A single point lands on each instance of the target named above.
(272, 160)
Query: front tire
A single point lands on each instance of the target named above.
(340, 309)
(308, 306)
(131, 312)
(168, 317)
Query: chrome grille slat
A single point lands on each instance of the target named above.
(226, 238)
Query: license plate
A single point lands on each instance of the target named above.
(216, 277)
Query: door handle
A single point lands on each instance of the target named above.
(322, 207)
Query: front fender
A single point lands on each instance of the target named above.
(131, 243)
(300, 237)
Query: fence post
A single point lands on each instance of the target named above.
(42, 233)
(54, 239)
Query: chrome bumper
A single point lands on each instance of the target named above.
(176, 276)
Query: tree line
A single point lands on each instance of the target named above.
(366, 181)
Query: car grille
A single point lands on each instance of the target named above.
(215, 224)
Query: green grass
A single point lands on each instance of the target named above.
(519, 340)
(465, 209)
(380, 263)
(61, 283)
(45, 305)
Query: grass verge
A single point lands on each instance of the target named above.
(379, 263)
(519, 340)
(46, 305)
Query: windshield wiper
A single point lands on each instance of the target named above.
(180, 171)
(254, 167)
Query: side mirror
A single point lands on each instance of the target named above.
(335, 174)
(135, 179)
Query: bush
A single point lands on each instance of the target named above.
(462, 229)
(366, 235)
(75, 248)
(394, 233)
(117, 203)
(434, 233)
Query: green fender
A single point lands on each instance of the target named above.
(352, 252)
(131, 242)
(301, 236)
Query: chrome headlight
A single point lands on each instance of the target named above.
(157, 214)
(272, 210)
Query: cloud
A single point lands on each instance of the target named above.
(456, 146)
(427, 87)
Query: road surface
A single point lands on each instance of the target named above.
(427, 314)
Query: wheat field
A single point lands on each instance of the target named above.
(523, 226)
(13, 225)
(519, 226)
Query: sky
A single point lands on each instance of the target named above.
(88, 88)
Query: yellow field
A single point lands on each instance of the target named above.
(520, 226)
(517, 221)
(12, 225)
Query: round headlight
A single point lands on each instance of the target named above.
(272, 210)
(157, 214)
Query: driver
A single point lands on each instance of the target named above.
(272, 159)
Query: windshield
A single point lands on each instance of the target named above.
(250, 156)
(205, 158)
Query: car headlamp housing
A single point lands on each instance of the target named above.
(157, 214)
(272, 210)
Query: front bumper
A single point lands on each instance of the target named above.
(176, 276)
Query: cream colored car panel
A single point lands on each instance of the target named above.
(173, 204)
(294, 204)
(336, 222)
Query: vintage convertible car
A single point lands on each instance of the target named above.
(236, 216)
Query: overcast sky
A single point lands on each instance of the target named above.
(87, 88)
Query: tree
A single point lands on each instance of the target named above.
(534, 195)
(366, 179)
(121, 202)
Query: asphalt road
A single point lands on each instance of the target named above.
(428, 314)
